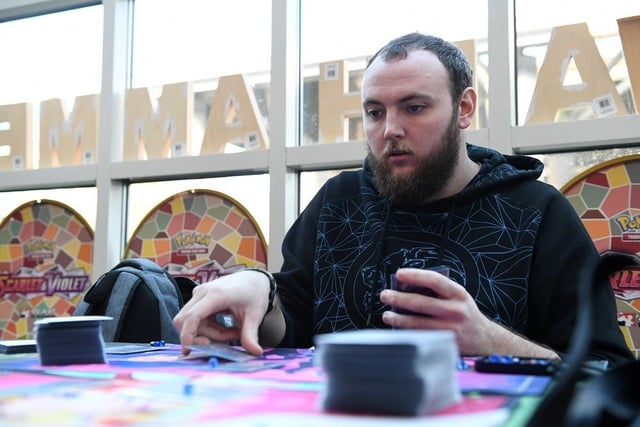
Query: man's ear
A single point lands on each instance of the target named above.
(467, 107)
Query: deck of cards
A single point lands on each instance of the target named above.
(392, 372)
(70, 340)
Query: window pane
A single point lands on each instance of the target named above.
(55, 58)
(310, 183)
(338, 36)
(83, 200)
(221, 52)
(251, 191)
(561, 168)
(571, 59)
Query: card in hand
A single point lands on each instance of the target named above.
(398, 285)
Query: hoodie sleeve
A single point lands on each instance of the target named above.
(563, 247)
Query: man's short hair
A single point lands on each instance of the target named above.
(453, 59)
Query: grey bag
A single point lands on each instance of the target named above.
(141, 297)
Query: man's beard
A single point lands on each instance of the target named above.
(430, 176)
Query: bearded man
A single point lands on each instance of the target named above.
(424, 200)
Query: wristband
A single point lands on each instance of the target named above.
(272, 285)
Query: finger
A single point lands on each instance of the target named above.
(447, 310)
(185, 311)
(410, 301)
(198, 340)
(207, 334)
(249, 335)
(190, 319)
(406, 321)
(440, 284)
(187, 340)
(217, 332)
(189, 330)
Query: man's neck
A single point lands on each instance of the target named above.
(466, 170)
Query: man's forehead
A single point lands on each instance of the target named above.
(419, 66)
(412, 54)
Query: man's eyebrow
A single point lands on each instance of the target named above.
(417, 97)
(369, 101)
(410, 97)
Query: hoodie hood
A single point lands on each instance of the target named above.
(499, 169)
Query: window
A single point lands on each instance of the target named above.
(52, 62)
(218, 53)
(339, 36)
(51, 74)
(81, 199)
(571, 61)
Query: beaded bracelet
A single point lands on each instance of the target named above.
(273, 286)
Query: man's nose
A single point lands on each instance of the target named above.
(393, 127)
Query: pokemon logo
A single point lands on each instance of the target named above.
(40, 245)
(39, 249)
(630, 226)
(192, 243)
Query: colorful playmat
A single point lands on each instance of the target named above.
(158, 387)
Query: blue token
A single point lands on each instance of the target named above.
(213, 362)
(188, 389)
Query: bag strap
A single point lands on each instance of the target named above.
(164, 288)
(93, 296)
(119, 301)
(158, 273)
(143, 264)
(552, 410)
(169, 300)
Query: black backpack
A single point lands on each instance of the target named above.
(141, 297)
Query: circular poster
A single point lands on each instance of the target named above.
(46, 255)
(200, 234)
(607, 199)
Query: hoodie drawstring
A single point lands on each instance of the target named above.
(379, 285)
(378, 280)
(445, 233)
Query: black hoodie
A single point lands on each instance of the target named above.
(514, 243)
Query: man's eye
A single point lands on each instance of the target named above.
(415, 108)
(374, 114)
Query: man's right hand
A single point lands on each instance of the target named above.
(244, 295)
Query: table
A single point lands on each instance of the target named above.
(154, 386)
